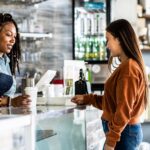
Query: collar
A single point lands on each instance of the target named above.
(5, 58)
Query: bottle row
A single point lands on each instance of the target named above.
(91, 48)
(28, 56)
(89, 23)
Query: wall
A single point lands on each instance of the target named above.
(146, 56)
(127, 9)
(51, 16)
(55, 16)
(124, 9)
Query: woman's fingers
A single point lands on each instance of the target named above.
(26, 101)
(78, 99)
(25, 96)
(75, 99)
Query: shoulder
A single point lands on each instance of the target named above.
(130, 68)
(5, 59)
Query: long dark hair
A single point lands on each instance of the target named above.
(123, 30)
(15, 53)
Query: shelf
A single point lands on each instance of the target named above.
(21, 2)
(145, 16)
(97, 61)
(144, 47)
(91, 35)
(36, 35)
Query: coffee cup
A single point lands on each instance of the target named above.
(32, 92)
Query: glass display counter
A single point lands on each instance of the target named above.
(51, 128)
(16, 130)
(69, 128)
(62, 128)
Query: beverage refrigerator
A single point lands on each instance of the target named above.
(90, 18)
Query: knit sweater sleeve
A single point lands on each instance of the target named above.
(126, 92)
(93, 99)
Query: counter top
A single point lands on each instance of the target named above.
(40, 111)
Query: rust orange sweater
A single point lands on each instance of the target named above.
(123, 100)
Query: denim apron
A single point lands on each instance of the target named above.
(6, 82)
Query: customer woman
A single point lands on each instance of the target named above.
(9, 62)
(125, 91)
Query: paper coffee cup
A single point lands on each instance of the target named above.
(32, 92)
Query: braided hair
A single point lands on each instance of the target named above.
(15, 53)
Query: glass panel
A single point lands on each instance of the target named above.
(89, 29)
(95, 136)
(15, 139)
(65, 132)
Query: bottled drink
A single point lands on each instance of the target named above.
(88, 75)
(91, 48)
(82, 48)
(103, 52)
(96, 23)
(87, 49)
(77, 48)
(80, 85)
(101, 23)
(82, 24)
(95, 49)
(89, 24)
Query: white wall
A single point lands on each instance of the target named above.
(125, 9)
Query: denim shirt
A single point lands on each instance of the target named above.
(5, 68)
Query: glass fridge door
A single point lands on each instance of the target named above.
(89, 30)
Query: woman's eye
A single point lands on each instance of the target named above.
(8, 34)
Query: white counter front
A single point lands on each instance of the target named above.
(51, 128)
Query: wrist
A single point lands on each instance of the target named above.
(5, 101)
(14, 102)
(8, 101)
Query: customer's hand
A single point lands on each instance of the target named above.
(21, 101)
(107, 147)
(78, 99)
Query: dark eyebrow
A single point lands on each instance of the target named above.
(7, 30)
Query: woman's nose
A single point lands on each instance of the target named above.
(13, 40)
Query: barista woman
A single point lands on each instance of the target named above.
(9, 63)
